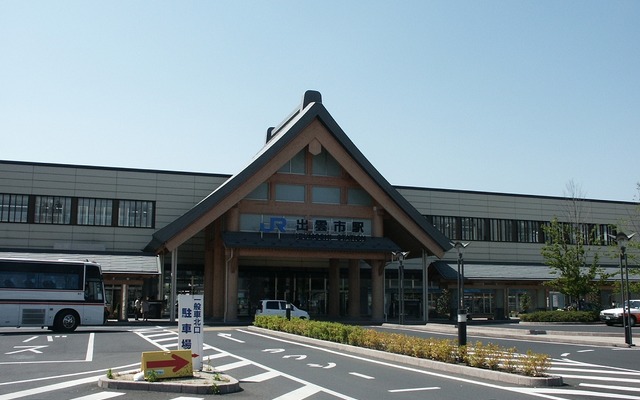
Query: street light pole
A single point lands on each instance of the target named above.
(462, 312)
(400, 255)
(622, 239)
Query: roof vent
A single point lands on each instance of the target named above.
(311, 96)
(270, 133)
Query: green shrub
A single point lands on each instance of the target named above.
(560, 316)
(481, 355)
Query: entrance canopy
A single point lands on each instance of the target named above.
(292, 242)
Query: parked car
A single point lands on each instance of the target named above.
(279, 307)
(614, 315)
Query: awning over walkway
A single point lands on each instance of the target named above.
(309, 242)
(118, 263)
(508, 272)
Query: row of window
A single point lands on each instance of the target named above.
(510, 230)
(319, 194)
(63, 210)
(322, 164)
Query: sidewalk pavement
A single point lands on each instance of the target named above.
(538, 332)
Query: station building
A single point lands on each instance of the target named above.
(309, 220)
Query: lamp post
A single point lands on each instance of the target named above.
(622, 239)
(400, 255)
(462, 312)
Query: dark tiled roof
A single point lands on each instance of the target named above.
(503, 272)
(278, 138)
(110, 263)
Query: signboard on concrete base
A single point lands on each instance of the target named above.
(167, 364)
(191, 327)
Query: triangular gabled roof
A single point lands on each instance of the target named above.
(408, 228)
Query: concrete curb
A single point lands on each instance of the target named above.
(457, 369)
(230, 386)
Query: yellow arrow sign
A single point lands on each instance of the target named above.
(167, 364)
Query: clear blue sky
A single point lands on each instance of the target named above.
(512, 96)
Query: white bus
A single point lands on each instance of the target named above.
(59, 295)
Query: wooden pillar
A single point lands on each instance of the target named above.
(232, 287)
(218, 274)
(209, 254)
(377, 269)
(333, 301)
(354, 288)
(124, 302)
(377, 290)
(231, 267)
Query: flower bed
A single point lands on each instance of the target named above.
(490, 356)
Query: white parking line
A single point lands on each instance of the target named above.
(361, 375)
(48, 388)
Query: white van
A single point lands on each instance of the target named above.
(279, 307)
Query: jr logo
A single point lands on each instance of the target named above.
(275, 224)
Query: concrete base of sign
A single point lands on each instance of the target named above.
(199, 383)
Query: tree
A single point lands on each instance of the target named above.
(567, 253)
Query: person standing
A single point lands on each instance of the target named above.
(145, 308)
(136, 308)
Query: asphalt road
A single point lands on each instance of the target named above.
(37, 364)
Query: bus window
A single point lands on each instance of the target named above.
(93, 290)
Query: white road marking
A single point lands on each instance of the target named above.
(298, 357)
(564, 354)
(233, 365)
(300, 393)
(48, 388)
(261, 377)
(89, 356)
(585, 351)
(602, 378)
(414, 389)
(611, 387)
(100, 396)
(570, 392)
(188, 398)
(33, 349)
(228, 336)
(361, 375)
(30, 339)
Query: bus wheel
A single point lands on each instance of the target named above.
(66, 321)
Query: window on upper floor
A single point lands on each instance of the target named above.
(446, 225)
(325, 195)
(52, 210)
(501, 230)
(325, 165)
(259, 193)
(472, 228)
(293, 193)
(96, 212)
(296, 165)
(135, 213)
(14, 207)
(358, 197)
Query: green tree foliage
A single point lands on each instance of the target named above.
(567, 253)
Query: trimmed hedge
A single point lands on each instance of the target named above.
(480, 355)
(561, 316)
